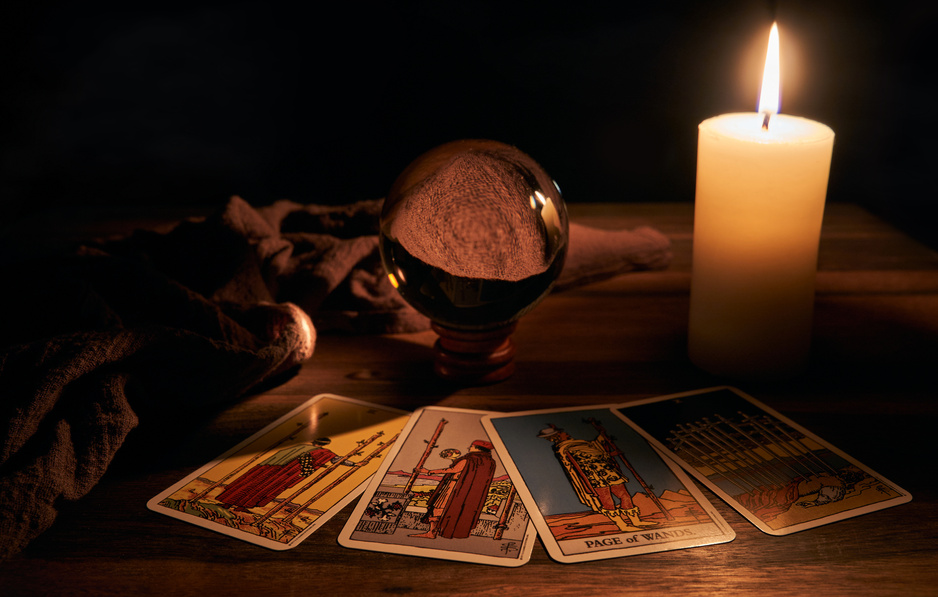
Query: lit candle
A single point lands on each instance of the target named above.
(761, 185)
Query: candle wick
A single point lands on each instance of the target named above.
(765, 120)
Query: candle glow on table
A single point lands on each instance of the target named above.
(761, 187)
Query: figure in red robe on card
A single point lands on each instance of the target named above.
(455, 505)
(264, 482)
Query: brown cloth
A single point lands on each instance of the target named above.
(140, 330)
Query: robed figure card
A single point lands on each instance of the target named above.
(443, 492)
(285, 481)
(596, 489)
(774, 472)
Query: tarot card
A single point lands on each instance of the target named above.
(443, 493)
(596, 489)
(777, 474)
(282, 483)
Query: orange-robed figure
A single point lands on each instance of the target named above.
(596, 478)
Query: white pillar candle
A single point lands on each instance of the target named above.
(757, 222)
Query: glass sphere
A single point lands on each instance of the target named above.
(473, 234)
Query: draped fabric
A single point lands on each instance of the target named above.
(100, 338)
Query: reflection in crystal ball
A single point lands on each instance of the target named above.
(473, 234)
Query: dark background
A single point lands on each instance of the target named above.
(186, 104)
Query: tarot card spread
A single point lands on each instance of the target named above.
(443, 493)
(775, 473)
(284, 482)
(596, 489)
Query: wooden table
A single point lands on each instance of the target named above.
(871, 391)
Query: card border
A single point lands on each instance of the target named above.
(903, 498)
(154, 502)
(547, 538)
(345, 535)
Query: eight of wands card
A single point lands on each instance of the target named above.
(775, 473)
(443, 493)
(596, 489)
(287, 480)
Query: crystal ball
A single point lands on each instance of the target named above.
(473, 234)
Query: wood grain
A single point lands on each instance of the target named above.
(870, 391)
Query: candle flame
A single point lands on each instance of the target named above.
(769, 98)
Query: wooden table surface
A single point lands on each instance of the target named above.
(870, 391)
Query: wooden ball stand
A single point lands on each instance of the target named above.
(474, 357)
